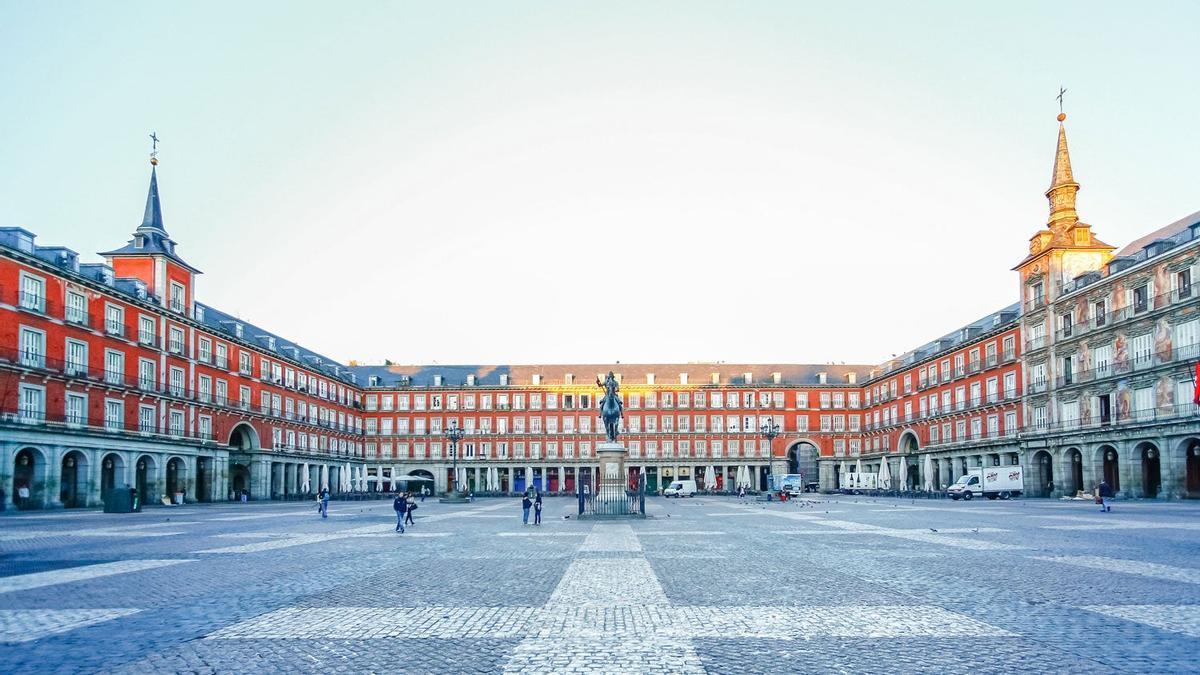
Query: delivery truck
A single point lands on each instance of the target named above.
(992, 482)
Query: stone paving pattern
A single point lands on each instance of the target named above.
(709, 584)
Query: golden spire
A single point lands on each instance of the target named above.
(1062, 185)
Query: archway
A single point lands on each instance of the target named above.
(204, 479)
(146, 477)
(1190, 449)
(72, 491)
(241, 480)
(1041, 475)
(909, 447)
(112, 474)
(243, 437)
(1073, 471)
(28, 467)
(176, 479)
(802, 459)
(1151, 469)
(1107, 460)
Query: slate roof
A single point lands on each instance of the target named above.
(1171, 230)
(631, 373)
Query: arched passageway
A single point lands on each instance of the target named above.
(176, 483)
(73, 486)
(1073, 474)
(1191, 467)
(28, 468)
(802, 459)
(146, 479)
(243, 437)
(1041, 479)
(112, 474)
(1109, 468)
(1151, 469)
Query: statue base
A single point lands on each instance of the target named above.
(612, 461)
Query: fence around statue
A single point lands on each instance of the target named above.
(612, 498)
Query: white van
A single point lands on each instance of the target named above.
(681, 488)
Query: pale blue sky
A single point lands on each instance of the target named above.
(454, 181)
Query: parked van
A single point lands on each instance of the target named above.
(681, 488)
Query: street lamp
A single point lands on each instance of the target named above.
(454, 434)
(769, 430)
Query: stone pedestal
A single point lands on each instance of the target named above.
(612, 461)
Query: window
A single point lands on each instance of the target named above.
(244, 400)
(204, 389)
(204, 430)
(1010, 423)
(77, 361)
(175, 341)
(114, 367)
(114, 414)
(1141, 298)
(204, 350)
(114, 320)
(1183, 283)
(178, 295)
(245, 364)
(76, 409)
(145, 329)
(177, 387)
(76, 308)
(33, 293)
(802, 400)
(223, 356)
(826, 400)
(33, 404)
(175, 425)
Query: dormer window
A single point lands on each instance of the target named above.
(139, 241)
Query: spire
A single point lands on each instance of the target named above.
(1062, 185)
(153, 219)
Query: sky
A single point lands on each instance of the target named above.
(558, 182)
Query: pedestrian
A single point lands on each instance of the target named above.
(525, 504)
(1106, 494)
(423, 492)
(245, 496)
(400, 505)
(537, 510)
(411, 502)
(323, 500)
(23, 497)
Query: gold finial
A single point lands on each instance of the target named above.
(1062, 116)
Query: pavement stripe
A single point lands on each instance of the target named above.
(111, 534)
(1175, 618)
(611, 538)
(26, 625)
(1145, 569)
(24, 582)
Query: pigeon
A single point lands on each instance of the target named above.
(932, 530)
(975, 530)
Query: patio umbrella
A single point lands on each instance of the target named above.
(324, 476)
(746, 468)
(304, 480)
(902, 474)
(858, 466)
(346, 487)
(929, 473)
(885, 475)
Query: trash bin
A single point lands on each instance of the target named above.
(118, 501)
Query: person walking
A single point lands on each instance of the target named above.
(537, 510)
(525, 504)
(1106, 494)
(424, 490)
(400, 505)
(323, 499)
(411, 504)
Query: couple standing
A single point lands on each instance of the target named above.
(536, 504)
(404, 504)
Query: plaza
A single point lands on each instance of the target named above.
(706, 584)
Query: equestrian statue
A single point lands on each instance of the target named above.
(612, 410)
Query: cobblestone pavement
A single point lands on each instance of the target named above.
(709, 584)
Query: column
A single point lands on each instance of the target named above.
(260, 479)
(54, 477)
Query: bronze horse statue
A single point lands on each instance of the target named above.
(611, 407)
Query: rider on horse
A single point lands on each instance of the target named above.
(611, 407)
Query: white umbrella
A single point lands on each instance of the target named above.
(902, 474)
(346, 487)
(324, 476)
(746, 469)
(885, 475)
(929, 473)
(858, 466)
(845, 470)
(710, 478)
(304, 481)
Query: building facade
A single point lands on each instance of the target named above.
(112, 374)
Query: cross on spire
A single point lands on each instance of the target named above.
(1061, 91)
(154, 147)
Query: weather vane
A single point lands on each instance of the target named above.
(154, 147)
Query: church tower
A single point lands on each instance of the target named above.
(1066, 247)
(150, 256)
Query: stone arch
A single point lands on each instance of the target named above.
(29, 472)
(244, 436)
(112, 473)
(802, 455)
(1071, 471)
(1187, 458)
(73, 481)
(146, 479)
(176, 477)
(1107, 462)
(1041, 480)
(1149, 459)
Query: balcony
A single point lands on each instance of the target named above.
(114, 328)
(1035, 343)
(1035, 304)
(33, 302)
(1009, 355)
(77, 317)
(974, 366)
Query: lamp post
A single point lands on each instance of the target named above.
(769, 430)
(454, 434)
